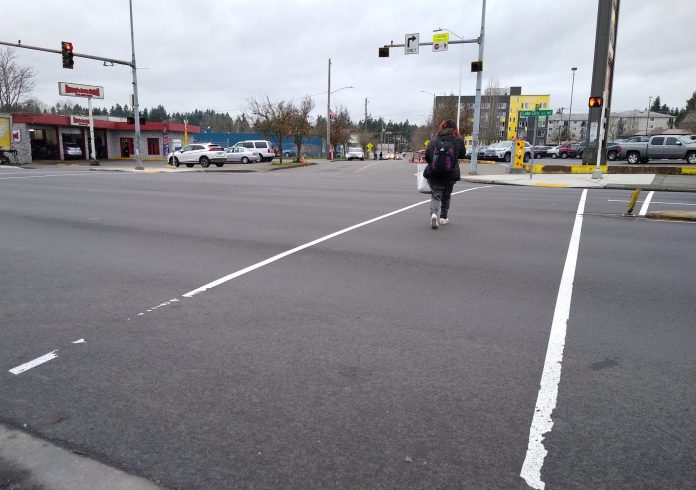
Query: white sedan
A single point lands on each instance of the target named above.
(242, 154)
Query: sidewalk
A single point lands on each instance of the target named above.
(498, 174)
(157, 166)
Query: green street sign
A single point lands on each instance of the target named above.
(536, 113)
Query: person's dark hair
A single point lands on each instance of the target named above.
(449, 123)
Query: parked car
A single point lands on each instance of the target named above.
(540, 151)
(241, 154)
(203, 153)
(264, 147)
(503, 150)
(660, 147)
(355, 153)
(553, 152)
(569, 150)
(72, 150)
(292, 153)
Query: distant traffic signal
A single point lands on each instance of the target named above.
(66, 49)
(596, 102)
(384, 52)
(476, 66)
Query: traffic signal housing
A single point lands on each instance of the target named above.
(595, 102)
(384, 52)
(66, 49)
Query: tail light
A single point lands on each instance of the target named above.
(618, 149)
(254, 153)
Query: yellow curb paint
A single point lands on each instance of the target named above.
(688, 171)
(586, 169)
(550, 185)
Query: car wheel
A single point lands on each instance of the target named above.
(633, 157)
(564, 156)
(219, 164)
(554, 155)
(362, 159)
(189, 165)
(176, 162)
(507, 157)
(611, 155)
(205, 163)
(245, 160)
(691, 158)
(537, 155)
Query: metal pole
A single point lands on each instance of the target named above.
(536, 125)
(93, 157)
(647, 119)
(597, 174)
(459, 93)
(328, 117)
(136, 110)
(570, 111)
(477, 110)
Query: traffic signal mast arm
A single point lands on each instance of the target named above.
(78, 55)
(456, 41)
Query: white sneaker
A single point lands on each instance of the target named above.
(433, 221)
(444, 221)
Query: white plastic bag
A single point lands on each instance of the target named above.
(422, 182)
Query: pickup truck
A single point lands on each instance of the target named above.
(660, 147)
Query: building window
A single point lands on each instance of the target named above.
(502, 134)
(502, 105)
(153, 147)
(540, 133)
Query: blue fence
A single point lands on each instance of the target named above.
(311, 146)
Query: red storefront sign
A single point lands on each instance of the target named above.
(76, 90)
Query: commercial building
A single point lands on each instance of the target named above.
(46, 137)
(500, 109)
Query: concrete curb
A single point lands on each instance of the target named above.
(611, 169)
(292, 166)
(30, 462)
(672, 215)
(171, 170)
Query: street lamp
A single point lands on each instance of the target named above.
(461, 62)
(570, 111)
(433, 119)
(328, 111)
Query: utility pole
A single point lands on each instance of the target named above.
(365, 113)
(136, 110)
(328, 117)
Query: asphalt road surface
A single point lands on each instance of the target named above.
(215, 331)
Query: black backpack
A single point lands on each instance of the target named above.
(443, 160)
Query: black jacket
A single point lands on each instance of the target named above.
(446, 135)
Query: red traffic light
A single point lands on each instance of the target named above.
(595, 102)
(67, 46)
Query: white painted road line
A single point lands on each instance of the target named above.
(542, 423)
(83, 172)
(270, 260)
(32, 364)
(646, 204)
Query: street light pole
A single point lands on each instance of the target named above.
(136, 110)
(570, 111)
(432, 124)
(647, 119)
(477, 109)
(328, 117)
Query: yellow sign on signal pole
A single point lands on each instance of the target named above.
(369, 147)
(519, 153)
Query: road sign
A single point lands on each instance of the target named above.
(536, 113)
(411, 43)
(440, 41)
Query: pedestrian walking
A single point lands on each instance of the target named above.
(442, 155)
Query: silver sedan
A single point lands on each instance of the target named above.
(242, 154)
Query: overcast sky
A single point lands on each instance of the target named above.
(218, 53)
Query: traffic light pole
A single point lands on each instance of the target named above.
(136, 112)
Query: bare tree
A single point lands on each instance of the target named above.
(491, 125)
(419, 136)
(273, 118)
(447, 109)
(16, 81)
(302, 126)
(341, 128)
